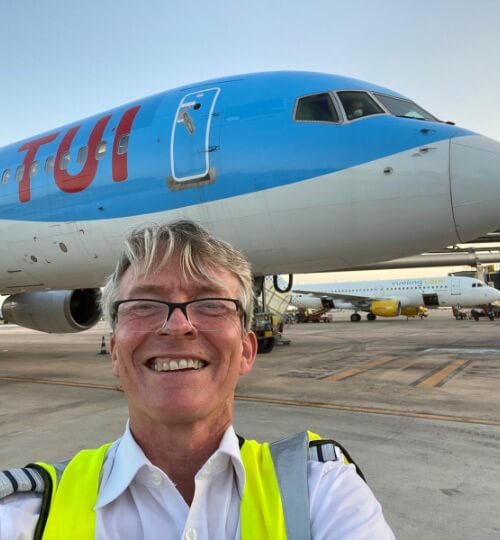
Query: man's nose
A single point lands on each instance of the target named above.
(176, 323)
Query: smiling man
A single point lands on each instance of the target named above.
(180, 303)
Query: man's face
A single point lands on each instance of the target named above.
(186, 395)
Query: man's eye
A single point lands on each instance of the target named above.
(211, 307)
(144, 308)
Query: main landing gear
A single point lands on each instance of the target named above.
(356, 317)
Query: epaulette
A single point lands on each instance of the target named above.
(325, 450)
(20, 481)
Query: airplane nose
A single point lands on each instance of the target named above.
(475, 185)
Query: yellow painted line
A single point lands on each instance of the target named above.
(59, 383)
(373, 410)
(361, 369)
(435, 378)
(296, 403)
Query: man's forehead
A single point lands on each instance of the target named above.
(171, 277)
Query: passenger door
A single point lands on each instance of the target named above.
(194, 137)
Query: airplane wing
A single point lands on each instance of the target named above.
(356, 300)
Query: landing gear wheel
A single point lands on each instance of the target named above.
(371, 317)
(355, 317)
(265, 345)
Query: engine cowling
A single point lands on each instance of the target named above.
(386, 308)
(54, 312)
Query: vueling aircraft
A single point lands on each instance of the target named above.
(304, 172)
(393, 297)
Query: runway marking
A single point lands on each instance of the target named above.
(59, 383)
(372, 410)
(461, 351)
(296, 403)
(442, 374)
(346, 373)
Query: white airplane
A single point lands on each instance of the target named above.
(304, 172)
(393, 297)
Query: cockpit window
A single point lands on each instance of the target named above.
(404, 108)
(317, 108)
(358, 104)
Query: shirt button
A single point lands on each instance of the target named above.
(156, 478)
(190, 534)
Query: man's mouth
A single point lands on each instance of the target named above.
(175, 365)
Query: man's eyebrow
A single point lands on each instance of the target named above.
(144, 289)
(197, 289)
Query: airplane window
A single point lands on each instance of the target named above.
(5, 176)
(358, 105)
(65, 159)
(405, 108)
(122, 144)
(19, 173)
(33, 169)
(317, 108)
(81, 157)
(49, 164)
(100, 150)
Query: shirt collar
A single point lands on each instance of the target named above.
(123, 461)
(125, 458)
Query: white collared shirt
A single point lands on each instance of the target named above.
(138, 501)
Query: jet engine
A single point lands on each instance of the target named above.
(386, 308)
(58, 312)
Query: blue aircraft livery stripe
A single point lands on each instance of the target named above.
(206, 142)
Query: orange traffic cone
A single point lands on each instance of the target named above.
(103, 346)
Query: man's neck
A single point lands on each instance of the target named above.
(179, 451)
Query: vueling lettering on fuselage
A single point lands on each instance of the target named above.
(407, 283)
(74, 183)
(417, 282)
(434, 281)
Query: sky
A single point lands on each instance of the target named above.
(61, 61)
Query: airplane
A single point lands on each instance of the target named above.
(304, 172)
(394, 297)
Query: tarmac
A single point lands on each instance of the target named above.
(416, 403)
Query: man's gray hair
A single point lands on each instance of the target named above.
(149, 248)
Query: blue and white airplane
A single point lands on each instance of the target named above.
(305, 172)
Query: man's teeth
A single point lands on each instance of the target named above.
(175, 365)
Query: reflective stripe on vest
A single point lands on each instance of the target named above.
(274, 505)
(74, 495)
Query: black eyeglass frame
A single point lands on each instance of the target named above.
(176, 305)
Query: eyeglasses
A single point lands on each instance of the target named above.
(204, 314)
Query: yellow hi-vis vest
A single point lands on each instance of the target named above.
(274, 505)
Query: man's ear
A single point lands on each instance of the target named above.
(249, 352)
(115, 365)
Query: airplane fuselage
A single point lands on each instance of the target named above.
(295, 195)
(413, 292)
